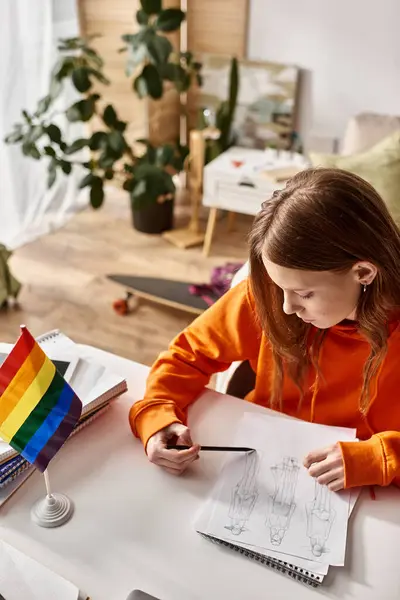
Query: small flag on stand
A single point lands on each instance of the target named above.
(38, 408)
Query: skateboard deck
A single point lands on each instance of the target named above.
(168, 292)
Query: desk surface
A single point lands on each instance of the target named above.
(133, 525)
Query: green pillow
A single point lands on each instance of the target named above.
(380, 166)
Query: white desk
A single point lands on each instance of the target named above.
(133, 522)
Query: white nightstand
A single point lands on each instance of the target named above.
(241, 179)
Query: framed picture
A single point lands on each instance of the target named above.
(266, 99)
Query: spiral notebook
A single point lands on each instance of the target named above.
(266, 507)
(95, 385)
(291, 566)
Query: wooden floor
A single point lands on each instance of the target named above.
(64, 283)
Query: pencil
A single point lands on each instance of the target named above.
(211, 448)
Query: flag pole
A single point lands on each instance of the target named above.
(47, 483)
(54, 510)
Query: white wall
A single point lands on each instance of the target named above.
(350, 50)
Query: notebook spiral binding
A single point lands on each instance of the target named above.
(310, 579)
(48, 336)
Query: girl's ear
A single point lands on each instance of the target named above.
(365, 272)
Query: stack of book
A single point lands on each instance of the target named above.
(95, 385)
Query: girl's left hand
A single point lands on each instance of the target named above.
(327, 467)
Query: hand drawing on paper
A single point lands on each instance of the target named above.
(244, 495)
(282, 503)
(320, 516)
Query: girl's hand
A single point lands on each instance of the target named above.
(327, 467)
(173, 461)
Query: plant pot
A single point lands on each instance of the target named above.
(154, 218)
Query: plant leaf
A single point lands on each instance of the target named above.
(140, 86)
(141, 17)
(26, 148)
(98, 140)
(164, 155)
(13, 138)
(153, 81)
(49, 151)
(137, 54)
(139, 189)
(63, 68)
(76, 146)
(116, 142)
(96, 192)
(36, 132)
(34, 152)
(106, 160)
(66, 167)
(82, 110)
(43, 105)
(51, 176)
(169, 19)
(51, 173)
(54, 133)
(81, 79)
(128, 184)
(27, 117)
(151, 7)
(130, 38)
(110, 116)
(120, 126)
(55, 88)
(87, 180)
(159, 49)
(99, 76)
(94, 57)
(73, 113)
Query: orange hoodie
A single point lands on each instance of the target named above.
(229, 331)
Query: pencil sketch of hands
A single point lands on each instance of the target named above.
(244, 495)
(282, 503)
(320, 516)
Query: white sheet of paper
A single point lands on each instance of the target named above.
(23, 577)
(202, 520)
(269, 500)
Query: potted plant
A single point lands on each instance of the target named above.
(144, 171)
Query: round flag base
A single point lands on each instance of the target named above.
(52, 511)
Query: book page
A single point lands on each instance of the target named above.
(268, 500)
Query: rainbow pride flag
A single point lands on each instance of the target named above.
(38, 409)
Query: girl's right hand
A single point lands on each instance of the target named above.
(173, 461)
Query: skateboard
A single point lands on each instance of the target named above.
(174, 294)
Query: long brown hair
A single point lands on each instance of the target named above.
(324, 220)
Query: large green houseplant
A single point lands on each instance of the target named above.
(144, 171)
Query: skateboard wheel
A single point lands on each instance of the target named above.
(121, 306)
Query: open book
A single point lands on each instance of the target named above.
(94, 384)
(23, 577)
